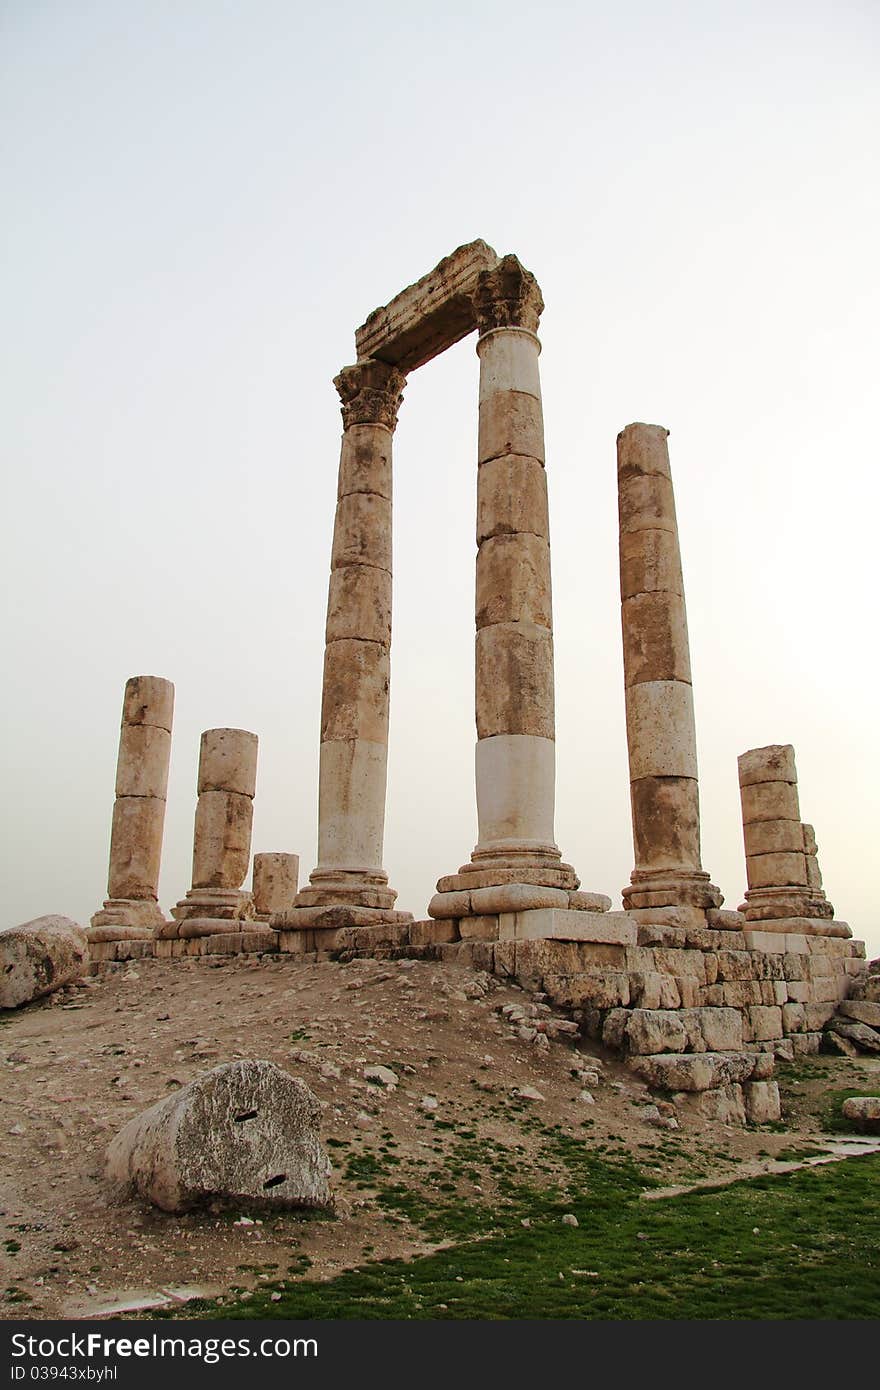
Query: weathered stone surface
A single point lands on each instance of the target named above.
(359, 605)
(510, 422)
(660, 729)
(761, 1102)
(515, 680)
(148, 700)
(655, 1030)
(512, 498)
(228, 761)
(666, 821)
(862, 1010)
(642, 451)
(142, 764)
(776, 870)
(362, 532)
(646, 504)
(655, 638)
(430, 315)
(600, 989)
(243, 1130)
(770, 801)
(865, 1038)
(651, 990)
(698, 1071)
(365, 461)
(775, 763)
(356, 690)
(519, 898)
(136, 846)
(765, 1022)
(725, 1105)
(563, 924)
(509, 362)
(276, 876)
(649, 562)
(864, 1113)
(513, 581)
(39, 956)
(222, 839)
(772, 837)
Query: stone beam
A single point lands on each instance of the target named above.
(429, 316)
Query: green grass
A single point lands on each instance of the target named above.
(800, 1245)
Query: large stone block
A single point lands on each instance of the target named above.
(698, 1071)
(862, 1010)
(222, 839)
(245, 1130)
(600, 989)
(362, 532)
(365, 461)
(511, 422)
(276, 877)
(666, 822)
(770, 801)
(660, 730)
(772, 837)
(515, 680)
(136, 846)
(561, 923)
(228, 761)
(356, 692)
(144, 756)
(775, 763)
(359, 604)
(655, 1030)
(40, 956)
(655, 638)
(148, 700)
(646, 503)
(776, 870)
(762, 1102)
(509, 362)
(650, 562)
(765, 1021)
(863, 1113)
(513, 581)
(512, 498)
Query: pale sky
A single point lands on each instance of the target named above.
(203, 201)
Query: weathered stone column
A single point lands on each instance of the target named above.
(276, 877)
(781, 865)
(222, 835)
(661, 736)
(131, 909)
(354, 712)
(516, 750)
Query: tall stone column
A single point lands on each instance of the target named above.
(131, 908)
(349, 882)
(660, 729)
(782, 869)
(516, 750)
(222, 836)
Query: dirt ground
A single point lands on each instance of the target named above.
(77, 1066)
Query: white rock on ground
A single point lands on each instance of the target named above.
(243, 1130)
(40, 956)
(863, 1112)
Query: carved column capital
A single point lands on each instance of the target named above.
(508, 296)
(371, 393)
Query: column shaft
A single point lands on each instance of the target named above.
(661, 736)
(139, 810)
(781, 865)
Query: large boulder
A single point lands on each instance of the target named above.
(245, 1130)
(863, 1112)
(40, 956)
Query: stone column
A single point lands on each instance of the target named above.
(222, 835)
(276, 877)
(349, 883)
(660, 730)
(131, 908)
(516, 750)
(781, 865)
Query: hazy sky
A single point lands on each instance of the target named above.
(204, 199)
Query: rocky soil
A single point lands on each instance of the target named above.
(399, 1053)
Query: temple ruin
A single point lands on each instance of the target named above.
(702, 1000)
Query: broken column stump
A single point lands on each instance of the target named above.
(245, 1130)
(40, 956)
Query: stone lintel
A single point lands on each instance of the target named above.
(429, 316)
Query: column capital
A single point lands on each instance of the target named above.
(371, 393)
(508, 296)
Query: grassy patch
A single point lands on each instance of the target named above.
(803, 1245)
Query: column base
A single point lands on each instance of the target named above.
(361, 888)
(218, 904)
(134, 916)
(332, 915)
(764, 904)
(659, 888)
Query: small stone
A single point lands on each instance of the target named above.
(429, 1102)
(569, 1219)
(382, 1076)
(529, 1093)
(363, 1120)
(586, 1098)
(243, 1221)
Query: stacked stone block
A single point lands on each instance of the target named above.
(782, 870)
(661, 736)
(216, 906)
(131, 911)
(276, 877)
